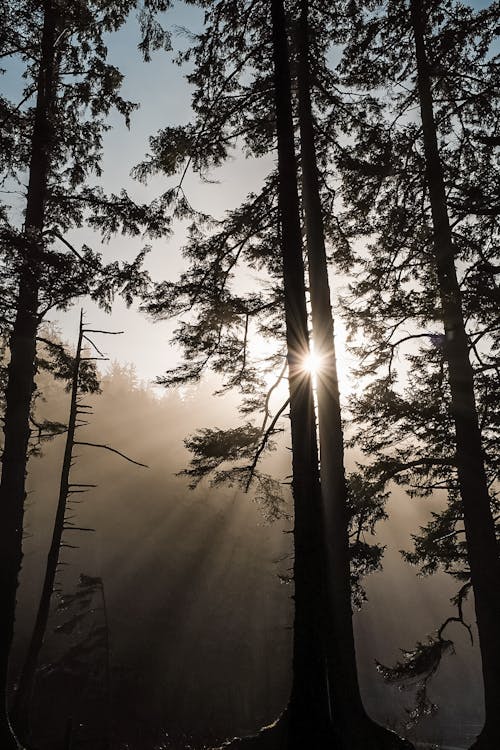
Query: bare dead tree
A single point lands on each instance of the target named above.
(20, 714)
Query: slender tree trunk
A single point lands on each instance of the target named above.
(21, 370)
(23, 697)
(482, 546)
(308, 710)
(107, 647)
(353, 727)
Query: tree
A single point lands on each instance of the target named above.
(83, 381)
(353, 726)
(428, 225)
(228, 106)
(482, 545)
(309, 710)
(58, 144)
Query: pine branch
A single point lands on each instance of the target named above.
(69, 246)
(267, 413)
(264, 442)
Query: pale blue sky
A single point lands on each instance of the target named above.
(163, 94)
(161, 90)
(164, 97)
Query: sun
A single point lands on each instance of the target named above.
(312, 363)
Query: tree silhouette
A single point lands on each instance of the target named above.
(431, 265)
(58, 144)
(353, 726)
(231, 106)
(78, 413)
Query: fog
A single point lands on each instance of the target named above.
(199, 618)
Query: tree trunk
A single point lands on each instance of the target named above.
(21, 372)
(308, 711)
(23, 697)
(482, 546)
(352, 726)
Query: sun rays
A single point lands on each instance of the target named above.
(312, 363)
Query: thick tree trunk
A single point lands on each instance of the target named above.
(483, 551)
(352, 726)
(308, 711)
(23, 697)
(12, 491)
(21, 371)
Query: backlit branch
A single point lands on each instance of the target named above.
(264, 442)
(113, 450)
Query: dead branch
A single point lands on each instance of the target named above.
(264, 442)
(113, 450)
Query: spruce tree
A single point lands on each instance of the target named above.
(83, 381)
(57, 144)
(309, 710)
(425, 192)
(229, 104)
(353, 727)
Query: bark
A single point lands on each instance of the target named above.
(482, 546)
(23, 697)
(352, 725)
(308, 710)
(21, 372)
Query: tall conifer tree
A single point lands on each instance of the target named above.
(230, 104)
(428, 191)
(57, 142)
(353, 727)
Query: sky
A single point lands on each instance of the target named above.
(164, 97)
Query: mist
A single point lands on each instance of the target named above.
(196, 584)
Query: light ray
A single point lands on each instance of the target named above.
(312, 363)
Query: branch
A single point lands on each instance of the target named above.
(213, 104)
(51, 344)
(109, 333)
(95, 347)
(263, 444)
(18, 107)
(459, 600)
(113, 450)
(430, 461)
(77, 528)
(270, 392)
(69, 246)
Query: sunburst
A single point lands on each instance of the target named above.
(312, 364)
